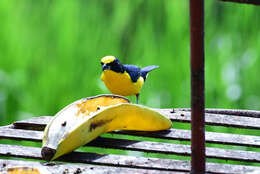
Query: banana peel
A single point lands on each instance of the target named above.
(24, 170)
(85, 119)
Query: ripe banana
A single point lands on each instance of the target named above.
(85, 119)
(24, 170)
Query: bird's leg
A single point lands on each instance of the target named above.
(137, 98)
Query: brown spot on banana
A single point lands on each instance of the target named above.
(97, 124)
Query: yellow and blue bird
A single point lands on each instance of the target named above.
(122, 79)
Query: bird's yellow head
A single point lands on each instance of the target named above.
(108, 59)
(112, 63)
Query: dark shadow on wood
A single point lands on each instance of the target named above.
(80, 157)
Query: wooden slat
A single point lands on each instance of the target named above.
(34, 123)
(211, 137)
(7, 132)
(77, 168)
(235, 121)
(179, 134)
(215, 119)
(177, 149)
(235, 112)
(142, 146)
(93, 158)
(125, 161)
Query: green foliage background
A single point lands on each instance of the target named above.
(50, 52)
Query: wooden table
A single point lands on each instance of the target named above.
(132, 161)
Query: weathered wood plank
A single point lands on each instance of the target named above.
(142, 146)
(173, 134)
(7, 132)
(177, 149)
(38, 123)
(125, 161)
(211, 137)
(34, 123)
(215, 119)
(234, 112)
(93, 158)
(77, 168)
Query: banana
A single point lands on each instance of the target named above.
(85, 119)
(24, 170)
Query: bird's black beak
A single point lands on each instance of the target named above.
(105, 67)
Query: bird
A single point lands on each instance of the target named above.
(123, 79)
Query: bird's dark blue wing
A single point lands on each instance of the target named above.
(147, 69)
(133, 71)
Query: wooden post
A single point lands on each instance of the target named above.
(197, 87)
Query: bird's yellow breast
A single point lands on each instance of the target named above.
(121, 83)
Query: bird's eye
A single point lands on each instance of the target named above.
(115, 62)
(101, 63)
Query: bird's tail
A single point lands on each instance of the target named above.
(147, 69)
